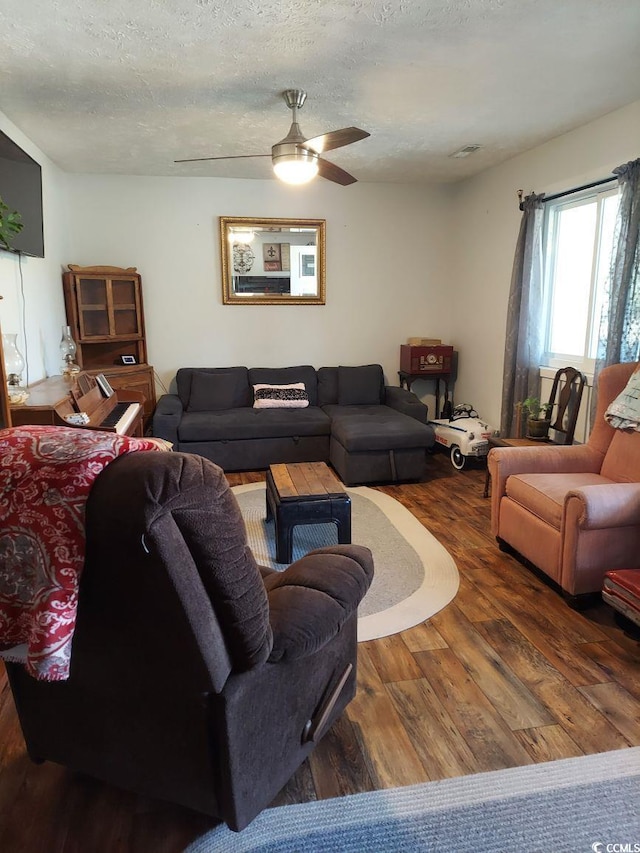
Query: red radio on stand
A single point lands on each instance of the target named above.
(427, 359)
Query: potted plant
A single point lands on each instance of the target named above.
(538, 417)
(10, 225)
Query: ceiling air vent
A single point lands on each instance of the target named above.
(464, 152)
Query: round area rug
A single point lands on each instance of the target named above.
(414, 577)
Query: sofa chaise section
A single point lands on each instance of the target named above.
(378, 433)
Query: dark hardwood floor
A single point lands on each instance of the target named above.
(506, 675)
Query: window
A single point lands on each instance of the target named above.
(579, 235)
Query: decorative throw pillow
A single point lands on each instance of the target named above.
(292, 396)
(624, 411)
(360, 386)
(212, 392)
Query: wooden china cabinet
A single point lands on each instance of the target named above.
(105, 312)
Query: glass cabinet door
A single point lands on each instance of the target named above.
(93, 310)
(108, 308)
(126, 307)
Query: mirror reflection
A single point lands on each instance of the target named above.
(272, 261)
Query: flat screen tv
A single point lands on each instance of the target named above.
(21, 190)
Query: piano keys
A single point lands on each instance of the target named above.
(121, 417)
(52, 400)
(105, 411)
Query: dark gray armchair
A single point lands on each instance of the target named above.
(196, 676)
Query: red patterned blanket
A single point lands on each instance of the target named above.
(46, 474)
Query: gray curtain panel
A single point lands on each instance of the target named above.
(524, 341)
(619, 336)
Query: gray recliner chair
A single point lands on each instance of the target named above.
(197, 676)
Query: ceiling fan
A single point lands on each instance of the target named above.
(296, 160)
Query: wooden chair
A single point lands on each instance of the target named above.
(564, 399)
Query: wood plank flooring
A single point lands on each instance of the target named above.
(506, 675)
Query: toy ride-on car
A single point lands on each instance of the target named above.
(464, 434)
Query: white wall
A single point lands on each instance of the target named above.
(486, 217)
(387, 268)
(31, 287)
(401, 261)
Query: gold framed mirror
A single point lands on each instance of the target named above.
(272, 261)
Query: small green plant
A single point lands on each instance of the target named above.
(537, 411)
(10, 225)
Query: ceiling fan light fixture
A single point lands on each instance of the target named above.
(296, 158)
(295, 170)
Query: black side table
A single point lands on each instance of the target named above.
(407, 379)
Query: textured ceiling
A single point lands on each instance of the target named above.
(127, 86)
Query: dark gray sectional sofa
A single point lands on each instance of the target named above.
(368, 431)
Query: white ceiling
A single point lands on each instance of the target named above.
(128, 86)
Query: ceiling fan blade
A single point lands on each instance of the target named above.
(229, 157)
(334, 173)
(334, 139)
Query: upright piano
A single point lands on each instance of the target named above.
(58, 401)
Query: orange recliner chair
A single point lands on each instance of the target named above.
(573, 511)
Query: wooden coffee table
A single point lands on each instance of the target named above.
(305, 493)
